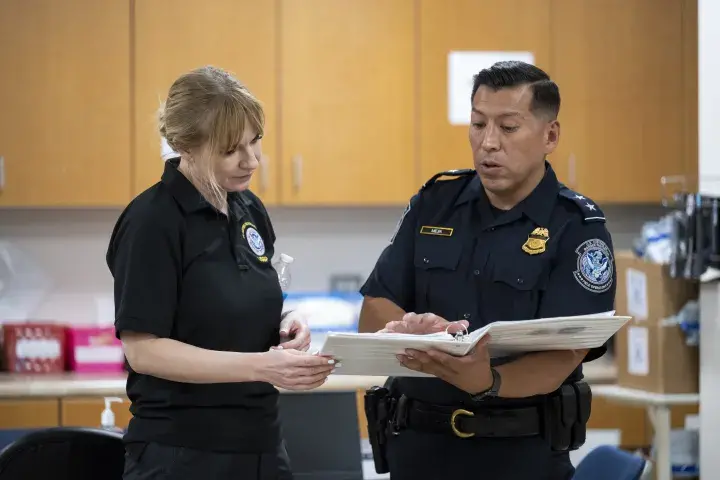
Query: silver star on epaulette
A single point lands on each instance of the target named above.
(579, 197)
(590, 206)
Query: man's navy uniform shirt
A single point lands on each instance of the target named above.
(457, 256)
(187, 272)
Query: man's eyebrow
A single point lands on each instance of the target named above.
(508, 114)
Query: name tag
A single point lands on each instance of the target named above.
(440, 231)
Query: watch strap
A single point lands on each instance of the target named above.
(494, 389)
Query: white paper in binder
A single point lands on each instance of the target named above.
(375, 353)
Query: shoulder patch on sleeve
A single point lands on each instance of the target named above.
(400, 222)
(448, 173)
(594, 270)
(590, 210)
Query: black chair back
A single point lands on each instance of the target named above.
(64, 453)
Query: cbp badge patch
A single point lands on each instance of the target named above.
(254, 239)
(594, 266)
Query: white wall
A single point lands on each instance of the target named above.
(70, 246)
(709, 169)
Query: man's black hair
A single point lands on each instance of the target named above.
(546, 95)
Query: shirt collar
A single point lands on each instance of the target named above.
(187, 195)
(537, 206)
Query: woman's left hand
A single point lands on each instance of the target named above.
(295, 332)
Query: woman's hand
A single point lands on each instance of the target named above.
(294, 370)
(294, 332)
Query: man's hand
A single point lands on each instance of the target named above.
(470, 373)
(419, 324)
(295, 332)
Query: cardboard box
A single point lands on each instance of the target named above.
(651, 351)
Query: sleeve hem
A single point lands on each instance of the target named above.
(140, 325)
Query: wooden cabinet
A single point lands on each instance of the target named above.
(348, 102)
(468, 25)
(172, 37)
(28, 413)
(86, 411)
(355, 93)
(690, 92)
(64, 103)
(621, 69)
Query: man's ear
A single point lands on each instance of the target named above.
(552, 136)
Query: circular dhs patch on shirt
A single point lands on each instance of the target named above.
(594, 266)
(254, 240)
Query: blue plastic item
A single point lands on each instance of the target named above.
(610, 463)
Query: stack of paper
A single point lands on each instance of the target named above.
(375, 353)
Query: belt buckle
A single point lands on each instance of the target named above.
(453, 419)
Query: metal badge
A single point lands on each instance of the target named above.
(536, 241)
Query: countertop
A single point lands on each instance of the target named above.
(601, 371)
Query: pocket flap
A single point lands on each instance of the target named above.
(521, 276)
(437, 252)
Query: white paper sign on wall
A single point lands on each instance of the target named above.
(462, 67)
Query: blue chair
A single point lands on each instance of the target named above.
(64, 453)
(610, 463)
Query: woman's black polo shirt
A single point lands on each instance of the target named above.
(185, 271)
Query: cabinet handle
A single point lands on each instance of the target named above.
(571, 170)
(263, 174)
(297, 172)
(2, 173)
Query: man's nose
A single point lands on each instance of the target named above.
(491, 140)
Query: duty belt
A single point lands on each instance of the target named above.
(487, 422)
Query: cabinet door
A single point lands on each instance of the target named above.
(173, 37)
(619, 66)
(469, 26)
(64, 103)
(690, 98)
(86, 411)
(348, 102)
(28, 413)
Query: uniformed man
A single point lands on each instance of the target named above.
(503, 241)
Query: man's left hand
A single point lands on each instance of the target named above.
(295, 332)
(470, 373)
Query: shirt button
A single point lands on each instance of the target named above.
(477, 272)
(466, 316)
(520, 281)
(425, 260)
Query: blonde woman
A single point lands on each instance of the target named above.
(198, 304)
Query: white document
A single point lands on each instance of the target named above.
(375, 353)
(637, 295)
(638, 351)
(462, 67)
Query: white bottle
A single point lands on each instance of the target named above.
(282, 267)
(107, 418)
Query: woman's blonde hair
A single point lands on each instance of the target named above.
(207, 110)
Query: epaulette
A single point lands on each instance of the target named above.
(589, 209)
(449, 173)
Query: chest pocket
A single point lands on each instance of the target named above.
(438, 275)
(514, 289)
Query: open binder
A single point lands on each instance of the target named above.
(375, 353)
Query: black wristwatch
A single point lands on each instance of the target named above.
(491, 392)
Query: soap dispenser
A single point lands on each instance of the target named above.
(107, 418)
